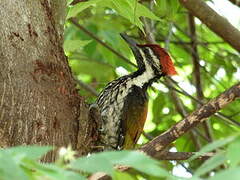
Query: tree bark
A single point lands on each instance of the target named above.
(38, 100)
(235, 2)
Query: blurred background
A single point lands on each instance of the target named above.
(205, 63)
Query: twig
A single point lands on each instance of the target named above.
(147, 135)
(181, 110)
(87, 87)
(177, 156)
(168, 37)
(222, 116)
(189, 43)
(178, 102)
(235, 114)
(196, 70)
(214, 21)
(195, 57)
(198, 133)
(189, 49)
(179, 106)
(159, 143)
(201, 43)
(77, 1)
(74, 21)
(150, 38)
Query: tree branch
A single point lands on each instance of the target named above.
(77, 1)
(196, 69)
(190, 50)
(150, 38)
(214, 21)
(235, 2)
(177, 156)
(154, 147)
(201, 43)
(220, 115)
(176, 99)
(195, 57)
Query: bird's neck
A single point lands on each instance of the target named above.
(146, 73)
(144, 77)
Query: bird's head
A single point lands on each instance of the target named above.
(151, 55)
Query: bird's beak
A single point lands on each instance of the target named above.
(132, 44)
(135, 49)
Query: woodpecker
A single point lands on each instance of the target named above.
(123, 103)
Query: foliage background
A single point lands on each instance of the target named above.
(94, 66)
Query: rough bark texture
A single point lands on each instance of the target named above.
(214, 21)
(176, 156)
(38, 100)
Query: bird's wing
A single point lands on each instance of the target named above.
(133, 117)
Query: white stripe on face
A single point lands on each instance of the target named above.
(143, 57)
(155, 59)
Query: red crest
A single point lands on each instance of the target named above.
(165, 60)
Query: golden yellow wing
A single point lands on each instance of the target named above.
(133, 117)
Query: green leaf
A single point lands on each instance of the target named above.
(213, 146)
(93, 163)
(168, 9)
(56, 173)
(233, 153)
(211, 163)
(138, 161)
(192, 178)
(120, 175)
(125, 9)
(105, 161)
(132, 10)
(73, 45)
(101, 71)
(144, 11)
(30, 152)
(9, 167)
(74, 10)
(69, 2)
(231, 174)
(129, 9)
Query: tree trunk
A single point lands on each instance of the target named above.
(38, 100)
